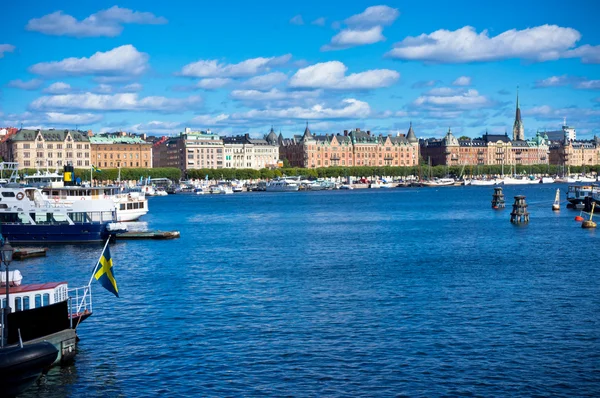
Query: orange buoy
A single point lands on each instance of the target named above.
(578, 218)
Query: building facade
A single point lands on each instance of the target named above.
(575, 153)
(206, 150)
(120, 149)
(353, 148)
(48, 148)
(243, 152)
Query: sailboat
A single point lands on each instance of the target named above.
(589, 223)
(556, 205)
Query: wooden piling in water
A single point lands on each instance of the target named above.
(519, 214)
(498, 199)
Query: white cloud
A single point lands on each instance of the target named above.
(208, 120)
(213, 83)
(351, 38)
(6, 48)
(351, 109)
(546, 112)
(470, 99)
(372, 16)
(297, 20)
(462, 81)
(588, 54)
(103, 23)
(121, 61)
(103, 89)
(249, 67)
(132, 88)
(540, 43)
(332, 75)
(554, 81)
(116, 102)
(265, 82)
(32, 84)
(80, 118)
(364, 28)
(589, 85)
(319, 21)
(158, 127)
(58, 88)
(272, 95)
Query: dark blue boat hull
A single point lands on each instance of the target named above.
(78, 233)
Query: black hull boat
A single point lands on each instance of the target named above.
(21, 366)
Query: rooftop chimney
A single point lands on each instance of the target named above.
(345, 133)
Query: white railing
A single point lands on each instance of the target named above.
(81, 300)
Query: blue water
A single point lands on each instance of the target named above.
(399, 292)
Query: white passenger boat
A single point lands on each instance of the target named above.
(485, 182)
(282, 185)
(221, 189)
(519, 181)
(130, 205)
(547, 180)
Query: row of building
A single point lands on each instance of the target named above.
(205, 149)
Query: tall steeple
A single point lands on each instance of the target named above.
(518, 129)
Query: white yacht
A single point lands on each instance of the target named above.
(282, 185)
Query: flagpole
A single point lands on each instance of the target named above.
(91, 170)
(92, 277)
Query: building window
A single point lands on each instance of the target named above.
(58, 146)
(69, 146)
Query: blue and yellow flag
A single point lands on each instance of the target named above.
(97, 170)
(104, 273)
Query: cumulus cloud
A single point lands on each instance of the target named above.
(32, 84)
(6, 48)
(470, 99)
(132, 88)
(444, 91)
(265, 82)
(547, 112)
(319, 21)
(213, 83)
(540, 43)
(116, 102)
(249, 67)
(372, 16)
(58, 88)
(554, 81)
(208, 120)
(351, 38)
(79, 118)
(273, 95)
(121, 61)
(350, 109)
(297, 20)
(580, 83)
(462, 81)
(332, 75)
(588, 85)
(107, 23)
(364, 28)
(158, 126)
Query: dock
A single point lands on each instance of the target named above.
(148, 235)
(22, 253)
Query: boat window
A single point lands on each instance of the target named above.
(8, 194)
(38, 300)
(18, 304)
(122, 207)
(26, 302)
(3, 206)
(46, 299)
(3, 303)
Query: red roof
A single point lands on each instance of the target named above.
(32, 287)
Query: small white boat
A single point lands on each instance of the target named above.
(439, 182)
(477, 182)
(547, 180)
(346, 186)
(519, 181)
(282, 185)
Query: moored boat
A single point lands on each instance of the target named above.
(576, 194)
(282, 185)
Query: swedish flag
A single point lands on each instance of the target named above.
(104, 273)
(97, 170)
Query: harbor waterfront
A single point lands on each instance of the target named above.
(415, 291)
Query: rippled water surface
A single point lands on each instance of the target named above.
(397, 292)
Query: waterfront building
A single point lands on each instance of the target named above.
(190, 150)
(48, 148)
(244, 152)
(120, 149)
(489, 149)
(575, 152)
(565, 133)
(352, 148)
(207, 150)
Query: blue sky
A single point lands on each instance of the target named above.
(242, 67)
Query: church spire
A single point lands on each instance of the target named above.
(518, 129)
